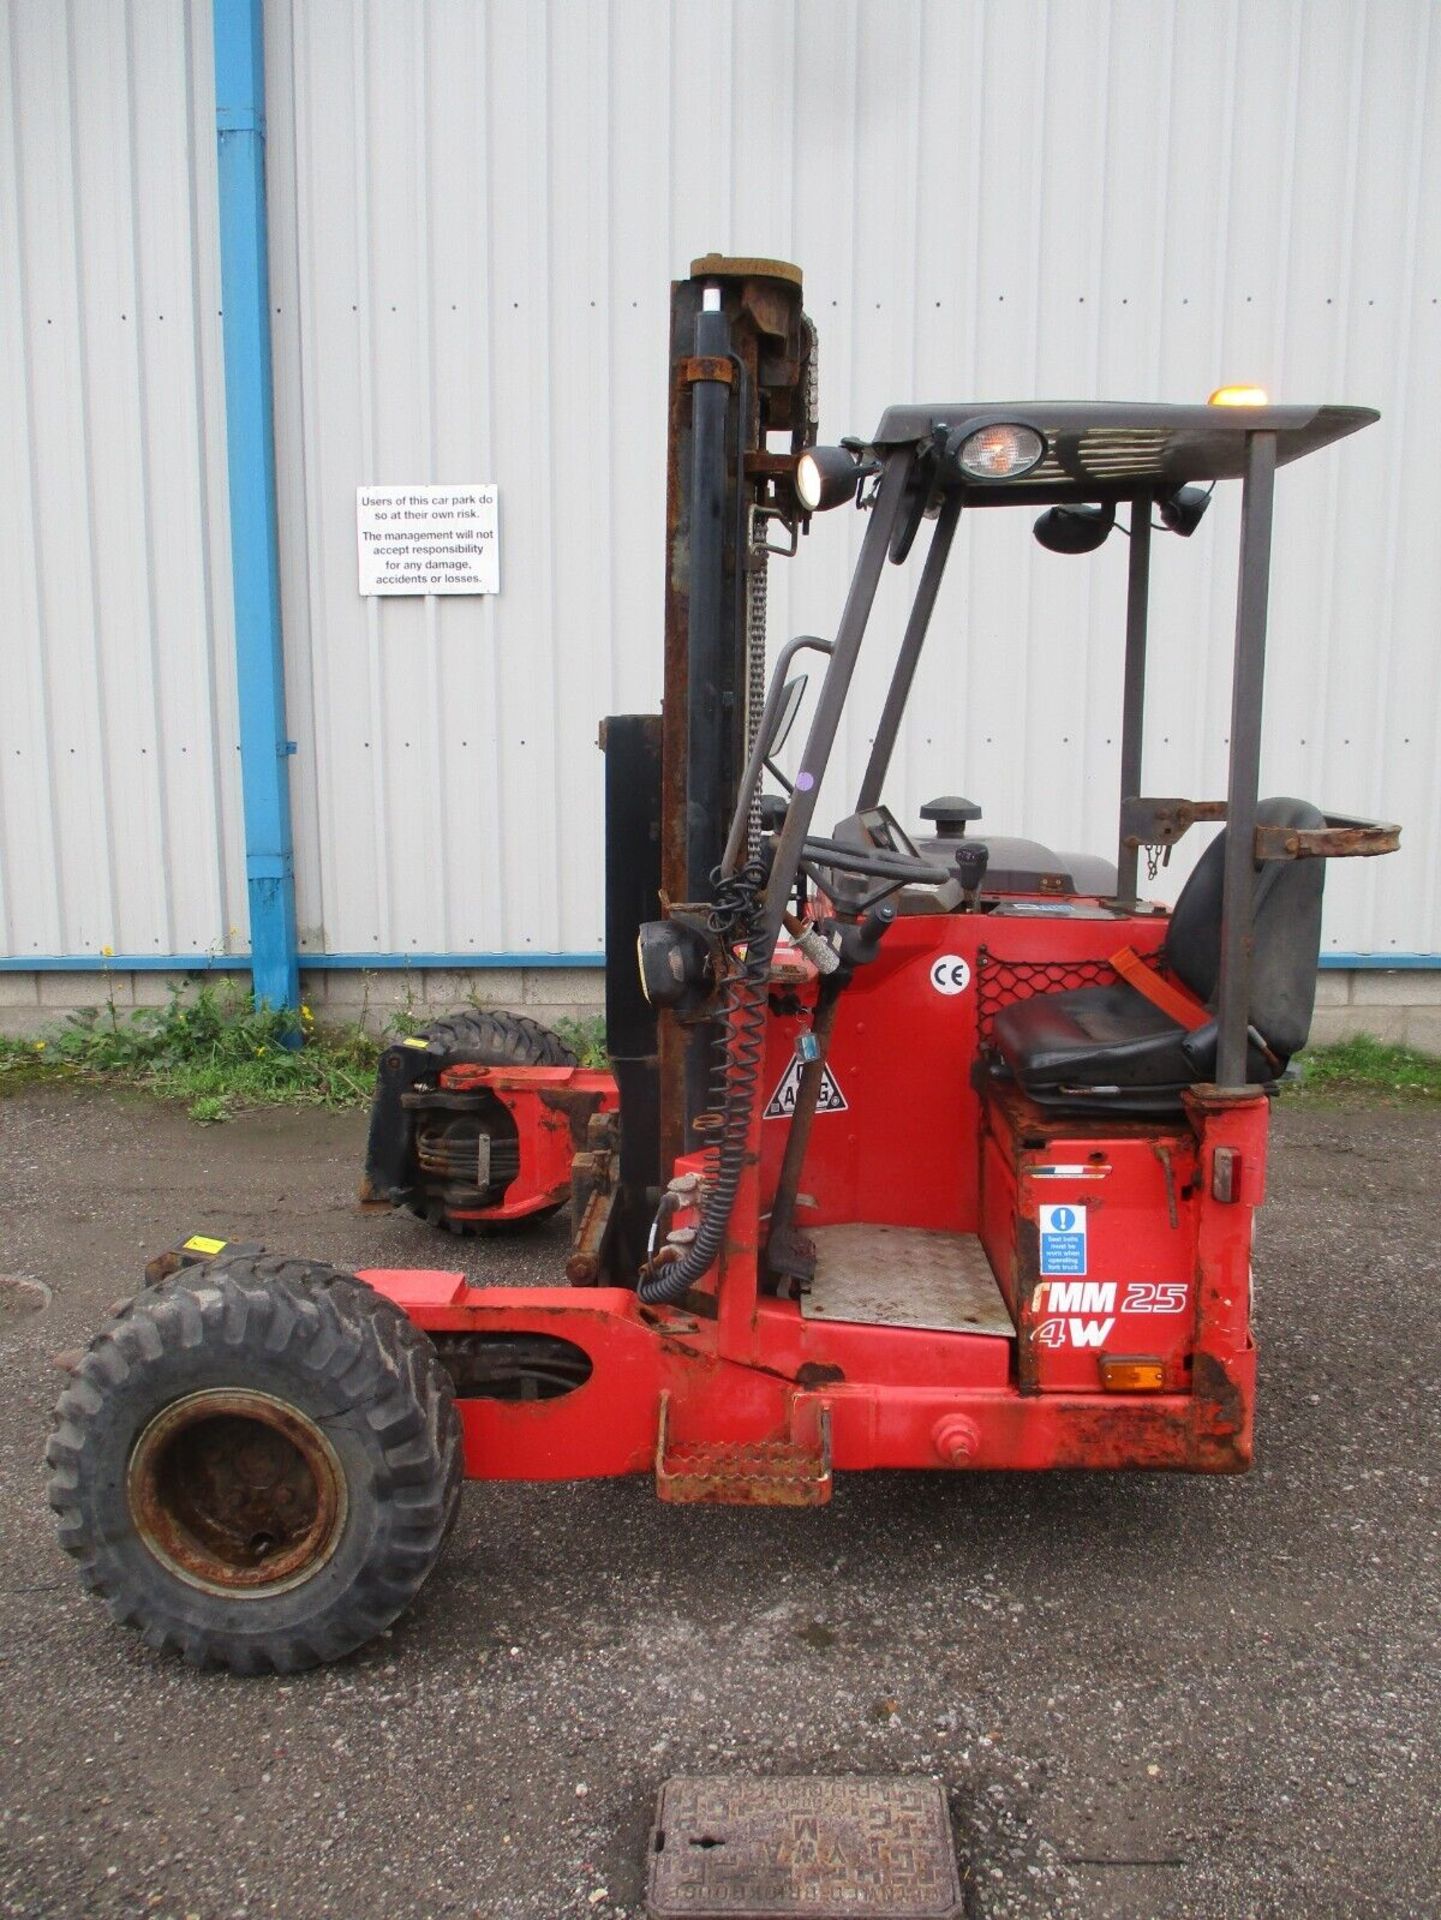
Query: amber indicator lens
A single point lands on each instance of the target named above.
(1131, 1373)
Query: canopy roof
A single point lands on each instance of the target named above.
(1101, 450)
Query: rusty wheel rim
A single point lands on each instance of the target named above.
(237, 1492)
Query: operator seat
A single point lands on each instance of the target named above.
(1110, 1050)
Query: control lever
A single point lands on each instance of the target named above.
(971, 859)
(861, 942)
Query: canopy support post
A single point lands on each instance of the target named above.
(1233, 1007)
(1133, 708)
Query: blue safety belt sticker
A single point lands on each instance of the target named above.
(1063, 1239)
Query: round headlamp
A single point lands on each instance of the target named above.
(1003, 451)
(826, 477)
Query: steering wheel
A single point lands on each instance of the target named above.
(877, 863)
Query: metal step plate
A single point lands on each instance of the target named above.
(904, 1277)
(745, 1849)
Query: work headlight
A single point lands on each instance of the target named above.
(826, 477)
(1003, 451)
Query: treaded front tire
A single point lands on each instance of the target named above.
(256, 1464)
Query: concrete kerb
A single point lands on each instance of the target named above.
(1329, 1025)
(1333, 989)
(375, 997)
(1405, 987)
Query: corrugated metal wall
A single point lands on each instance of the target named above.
(119, 787)
(475, 214)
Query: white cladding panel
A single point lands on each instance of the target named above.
(119, 777)
(477, 211)
(475, 214)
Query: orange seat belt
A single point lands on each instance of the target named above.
(1175, 1002)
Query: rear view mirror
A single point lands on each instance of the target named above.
(792, 694)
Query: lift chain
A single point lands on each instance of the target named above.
(813, 377)
(757, 582)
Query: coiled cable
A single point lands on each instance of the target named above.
(737, 918)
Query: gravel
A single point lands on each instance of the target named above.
(1146, 1696)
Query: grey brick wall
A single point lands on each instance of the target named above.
(1402, 1006)
(30, 1002)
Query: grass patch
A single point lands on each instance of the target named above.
(211, 1048)
(586, 1039)
(1367, 1065)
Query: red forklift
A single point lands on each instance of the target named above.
(937, 1152)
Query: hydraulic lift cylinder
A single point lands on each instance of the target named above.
(710, 644)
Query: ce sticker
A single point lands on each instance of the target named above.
(950, 974)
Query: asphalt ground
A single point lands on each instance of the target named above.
(1146, 1696)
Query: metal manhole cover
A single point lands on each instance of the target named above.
(742, 1849)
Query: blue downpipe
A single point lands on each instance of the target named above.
(254, 538)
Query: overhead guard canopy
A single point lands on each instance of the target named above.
(1102, 450)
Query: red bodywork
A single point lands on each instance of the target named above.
(751, 1401)
(551, 1108)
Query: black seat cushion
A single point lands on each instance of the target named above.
(1091, 1036)
(1060, 1045)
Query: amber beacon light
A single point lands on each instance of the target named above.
(1239, 397)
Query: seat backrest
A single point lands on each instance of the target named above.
(1287, 927)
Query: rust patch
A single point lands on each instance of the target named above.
(1218, 1394)
(745, 1473)
(1135, 1434)
(1339, 839)
(1161, 823)
(165, 1265)
(771, 466)
(237, 1492)
(1026, 1271)
(816, 1373)
(576, 1106)
(707, 366)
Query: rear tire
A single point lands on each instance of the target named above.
(486, 1038)
(482, 1038)
(256, 1464)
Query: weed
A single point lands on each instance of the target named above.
(586, 1039)
(211, 1047)
(1366, 1065)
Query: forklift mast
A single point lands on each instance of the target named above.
(742, 370)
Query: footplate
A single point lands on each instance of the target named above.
(752, 1473)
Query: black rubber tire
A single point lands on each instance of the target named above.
(332, 1351)
(482, 1038)
(486, 1038)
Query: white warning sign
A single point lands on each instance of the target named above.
(422, 539)
(782, 1103)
